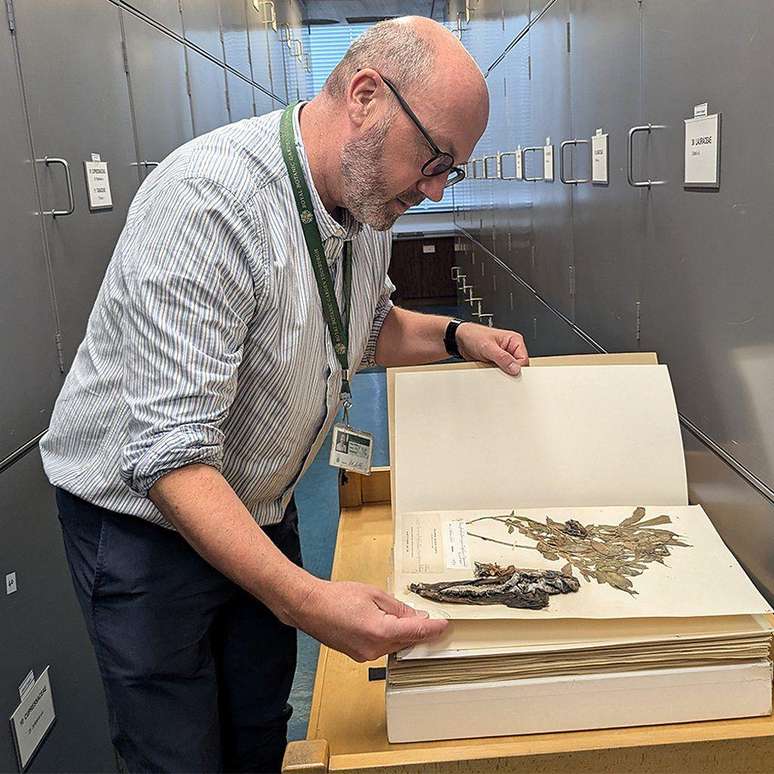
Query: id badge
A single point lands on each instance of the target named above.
(351, 449)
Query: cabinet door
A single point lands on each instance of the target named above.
(208, 93)
(31, 377)
(42, 626)
(165, 12)
(551, 201)
(258, 36)
(201, 25)
(515, 69)
(608, 226)
(277, 50)
(77, 108)
(706, 301)
(236, 49)
(162, 107)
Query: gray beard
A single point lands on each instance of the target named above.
(362, 169)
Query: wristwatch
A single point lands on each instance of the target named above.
(450, 338)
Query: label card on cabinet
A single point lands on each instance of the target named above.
(599, 164)
(548, 161)
(98, 185)
(702, 152)
(32, 719)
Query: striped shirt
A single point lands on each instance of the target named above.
(207, 342)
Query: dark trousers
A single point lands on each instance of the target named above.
(196, 671)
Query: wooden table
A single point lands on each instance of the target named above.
(347, 727)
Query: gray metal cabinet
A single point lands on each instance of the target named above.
(236, 47)
(258, 36)
(552, 201)
(706, 301)
(31, 377)
(277, 49)
(160, 101)
(608, 220)
(240, 97)
(43, 626)
(515, 69)
(201, 25)
(208, 93)
(165, 12)
(77, 108)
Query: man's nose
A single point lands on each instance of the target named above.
(432, 187)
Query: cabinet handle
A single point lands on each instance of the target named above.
(500, 157)
(534, 149)
(574, 180)
(267, 19)
(487, 176)
(630, 156)
(48, 160)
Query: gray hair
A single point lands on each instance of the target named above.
(391, 47)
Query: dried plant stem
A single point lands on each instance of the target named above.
(501, 542)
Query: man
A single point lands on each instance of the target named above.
(208, 379)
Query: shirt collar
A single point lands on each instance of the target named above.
(349, 228)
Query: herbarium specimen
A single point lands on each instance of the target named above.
(608, 553)
(495, 585)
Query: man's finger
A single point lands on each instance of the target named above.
(505, 361)
(410, 631)
(516, 346)
(395, 607)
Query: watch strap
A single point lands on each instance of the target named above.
(450, 338)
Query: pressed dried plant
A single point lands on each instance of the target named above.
(608, 553)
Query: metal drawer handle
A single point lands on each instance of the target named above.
(455, 272)
(285, 34)
(489, 317)
(297, 47)
(48, 160)
(267, 18)
(474, 170)
(535, 149)
(500, 157)
(487, 176)
(630, 156)
(145, 164)
(574, 180)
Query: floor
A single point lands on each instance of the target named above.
(318, 506)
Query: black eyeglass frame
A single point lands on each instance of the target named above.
(459, 172)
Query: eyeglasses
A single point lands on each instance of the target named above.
(441, 162)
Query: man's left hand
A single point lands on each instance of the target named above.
(505, 349)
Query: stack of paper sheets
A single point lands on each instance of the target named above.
(576, 471)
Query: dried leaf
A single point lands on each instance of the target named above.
(657, 520)
(639, 512)
(567, 569)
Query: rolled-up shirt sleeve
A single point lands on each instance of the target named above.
(383, 308)
(191, 292)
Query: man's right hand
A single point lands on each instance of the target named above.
(362, 621)
(356, 619)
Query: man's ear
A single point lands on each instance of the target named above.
(365, 89)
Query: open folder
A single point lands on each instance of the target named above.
(547, 516)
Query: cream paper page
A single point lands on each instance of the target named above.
(568, 435)
(640, 561)
(465, 638)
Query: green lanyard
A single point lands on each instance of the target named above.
(339, 331)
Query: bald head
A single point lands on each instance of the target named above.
(420, 56)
